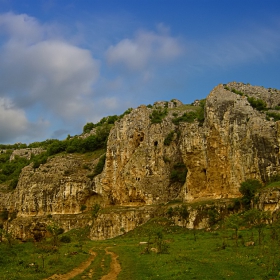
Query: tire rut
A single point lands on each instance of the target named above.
(115, 267)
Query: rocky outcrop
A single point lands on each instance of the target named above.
(235, 143)
(138, 164)
(60, 186)
(26, 153)
(150, 163)
(268, 199)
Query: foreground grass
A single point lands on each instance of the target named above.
(211, 256)
(190, 255)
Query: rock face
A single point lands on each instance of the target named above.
(138, 164)
(151, 162)
(269, 199)
(235, 143)
(26, 153)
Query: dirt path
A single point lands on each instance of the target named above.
(75, 271)
(115, 267)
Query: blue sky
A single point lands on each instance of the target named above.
(64, 63)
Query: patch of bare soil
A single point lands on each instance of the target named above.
(75, 271)
(115, 267)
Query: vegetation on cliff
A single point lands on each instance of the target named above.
(257, 102)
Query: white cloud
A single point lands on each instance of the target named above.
(38, 70)
(146, 48)
(14, 123)
(20, 27)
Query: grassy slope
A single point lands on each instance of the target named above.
(204, 258)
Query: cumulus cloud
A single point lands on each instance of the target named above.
(145, 48)
(20, 27)
(40, 70)
(51, 72)
(14, 123)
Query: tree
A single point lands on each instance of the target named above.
(234, 222)
(88, 127)
(248, 189)
(257, 219)
(55, 231)
(184, 214)
(162, 246)
(213, 216)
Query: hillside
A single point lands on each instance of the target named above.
(127, 169)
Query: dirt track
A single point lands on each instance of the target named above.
(76, 271)
(115, 268)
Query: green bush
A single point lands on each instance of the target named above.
(65, 239)
(273, 115)
(168, 139)
(39, 159)
(186, 117)
(258, 104)
(57, 147)
(98, 168)
(100, 165)
(179, 173)
(192, 115)
(158, 115)
(237, 92)
(248, 189)
(88, 127)
(10, 170)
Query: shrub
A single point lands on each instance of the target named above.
(158, 115)
(273, 115)
(248, 189)
(65, 239)
(98, 168)
(57, 147)
(13, 183)
(186, 117)
(258, 104)
(100, 165)
(192, 115)
(88, 127)
(168, 139)
(237, 92)
(39, 159)
(178, 173)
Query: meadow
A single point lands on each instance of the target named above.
(172, 252)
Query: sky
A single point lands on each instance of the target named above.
(64, 63)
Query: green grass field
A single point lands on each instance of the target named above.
(187, 254)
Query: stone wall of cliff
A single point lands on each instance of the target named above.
(235, 142)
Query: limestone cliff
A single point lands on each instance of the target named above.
(234, 143)
(155, 154)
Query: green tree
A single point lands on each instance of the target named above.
(57, 147)
(258, 219)
(248, 189)
(213, 217)
(168, 139)
(184, 214)
(234, 222)
(88, 127)
(55, 231)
